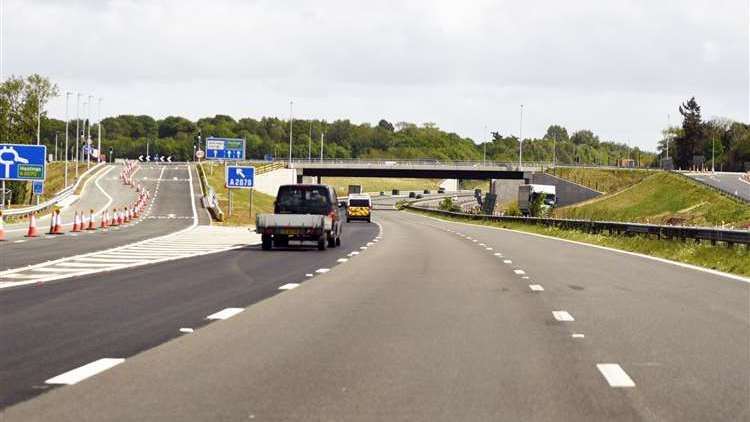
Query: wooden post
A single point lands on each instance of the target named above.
(229, 211)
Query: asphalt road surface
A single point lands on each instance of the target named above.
(436, 321)
(728, 182)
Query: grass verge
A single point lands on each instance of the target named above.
(735, 260)
(602, 180)
(240, 215)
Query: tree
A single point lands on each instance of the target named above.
(557, 133)
(691, 142)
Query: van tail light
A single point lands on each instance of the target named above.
(332, 214)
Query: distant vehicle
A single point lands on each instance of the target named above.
(420, 196)
(412, 194)
(354, 189)
(528, 193)
(441, 190)
(302, 213)
(359, 207)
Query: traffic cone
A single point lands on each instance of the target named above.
(119, 217)
(33, 232)
(52, 220)
(2, 227)
(127, 215)
(135, 212)
(91, 221)
(103, 223)
(76, 223)
(58, 224)
(114, 218)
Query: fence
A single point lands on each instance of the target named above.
(730, 237)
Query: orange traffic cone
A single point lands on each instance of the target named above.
(76, 223)
(103, 223)
(135, 212)
(114, 217)
(52, 220)
(91, 221)
(58, 223)
(119, 217)
(2, 227)
(33, 232)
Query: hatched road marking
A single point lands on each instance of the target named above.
(200, 240)
(536, 288)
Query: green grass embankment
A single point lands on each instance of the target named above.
(663, 198)
(602, 180)
(735, 260)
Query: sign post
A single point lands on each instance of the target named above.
(239, 177)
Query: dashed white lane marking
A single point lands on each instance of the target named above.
(488, 249)
(615, 375)
(186, 330)
(474, 240)
(519, 272)
(308, 275)
(482, 244)
(225, 313)
(19, 241)
(81, 373)
(536, 288)
(341, 260)
(498, 254)
(322, 270)
(507, 261)
(363, 247)
(370, 243)
(289, 286)
(354, 253)
(525, 277)
(563, 316)
(577, 335)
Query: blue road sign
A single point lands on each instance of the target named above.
(23, 162)
(225, 149)
(37, 187)
(240, 177)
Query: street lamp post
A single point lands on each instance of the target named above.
(67, 123)
(78, 131)
(38, 117)
(88, 134)
(322, 135)
(520, 140)
(99, 131)
(291, 124)
(309, 144)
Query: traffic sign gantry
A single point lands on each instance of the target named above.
(22, 162)
(225, 149)
(240, 177)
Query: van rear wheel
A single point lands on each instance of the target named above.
(322, 243)
(331, 242)
(266, 242)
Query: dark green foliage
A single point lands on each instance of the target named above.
(447, 204)
(537, 206)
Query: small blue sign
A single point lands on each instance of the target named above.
(37, 187)
(23, 162)
(268, 157)
(225, 149)
(240, 177)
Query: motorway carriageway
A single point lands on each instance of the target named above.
(169, 210)
(432, 320)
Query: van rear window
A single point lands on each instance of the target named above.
(303, 200)
(359, 203)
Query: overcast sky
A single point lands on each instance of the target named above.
(615, 67)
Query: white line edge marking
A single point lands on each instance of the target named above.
(536, 288)
(614, 374)
(79, 374)
(577, 335)
(289, 286)
(342, 260)
(519, 272)
(308, 275)
(322, 270)
(575, 242)
(507, 261)
(564, 316)
(225, 313)
(186, 330)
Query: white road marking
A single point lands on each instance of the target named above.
(363, 247)
(525, 277)
(225, 313)
(322, 270)
(83, 264)
(289, 286)
(615, 375)
(341, 260)
(507, 261)
(482, 244)
(488, 249)
(186, 330)
(474, 240)
(19, 241)
(563, 316)
(577, 335)
(370, 243)
(81, 373)
(536, 288)
(519, 272)
(498, 254)
(308, 275)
